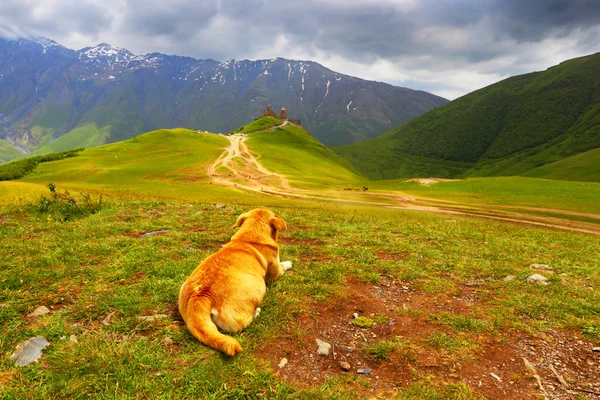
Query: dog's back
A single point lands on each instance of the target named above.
(226, 289)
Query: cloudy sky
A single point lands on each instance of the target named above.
(447, 47)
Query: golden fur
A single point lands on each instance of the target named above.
(226, 289)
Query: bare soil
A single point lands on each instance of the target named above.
(391, 300)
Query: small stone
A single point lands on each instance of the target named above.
(537, 278)
(29, 351)
(595, 348)
(73, 339)
(544, 267)
(496, 377)
(167, 341)
(151, 318)
(355, 315)
(363, 371)
(283, 362)
(38, 312)
(345, 366)
(509, 278)
(324, 348)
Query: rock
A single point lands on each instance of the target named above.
(148, 234)
(509, 278)
(324, 348)
(73, 339)
(355, 315)
(537, 278)
(363, 371)
(496, 377)
(595, 348)
(282, 363)
(29, 351)
(38, 312)
(545, 267)
(151, 318)
(345, 366)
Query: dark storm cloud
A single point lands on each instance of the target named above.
(399, 41)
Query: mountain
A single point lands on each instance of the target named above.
(508, 128)
(53, 98)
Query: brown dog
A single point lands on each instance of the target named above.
(226, 289)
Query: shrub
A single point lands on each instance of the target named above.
(64, 207)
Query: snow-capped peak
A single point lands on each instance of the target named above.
(106, 50)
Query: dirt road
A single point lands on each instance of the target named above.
(238, 167)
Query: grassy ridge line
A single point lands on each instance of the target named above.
(259, 124)
(507, 128)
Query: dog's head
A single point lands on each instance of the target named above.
(260, 222)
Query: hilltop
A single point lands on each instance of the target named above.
(53, 98)
(508, 128)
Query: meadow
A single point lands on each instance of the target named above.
(443, 300)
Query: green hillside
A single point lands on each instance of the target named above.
(507, 128)
(8, 151)
(162, 161)
(292, 151)
(581, 167)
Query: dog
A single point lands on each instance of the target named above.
(226, 289)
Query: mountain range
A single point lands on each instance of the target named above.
(544, 124)
(53, 98)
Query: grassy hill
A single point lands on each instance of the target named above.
(292, 151)
(508, 128)
(159, 161)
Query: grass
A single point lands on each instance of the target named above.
(117, 273)
(8, 151)
(509, 191)
(291, 151)
(508, 128)
(97, 274)
(259, 124)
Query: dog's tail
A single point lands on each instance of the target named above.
(199, 323)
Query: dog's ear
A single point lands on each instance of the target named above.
(277, 223)
(240, 220)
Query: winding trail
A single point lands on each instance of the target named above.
(237, 167)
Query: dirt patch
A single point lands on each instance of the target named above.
(392, 256)
(429, 181)
(418, 347)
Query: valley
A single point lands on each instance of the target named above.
(440, 268)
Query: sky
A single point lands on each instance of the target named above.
(446, 47)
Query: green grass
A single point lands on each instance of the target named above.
(259, 124)
(8, 151)
(581, 167)
(166, 162)
(291, 151)
(507, 128)
(510, 191)
(83, 136)
(117, 273)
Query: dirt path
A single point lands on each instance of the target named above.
(238, 167)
